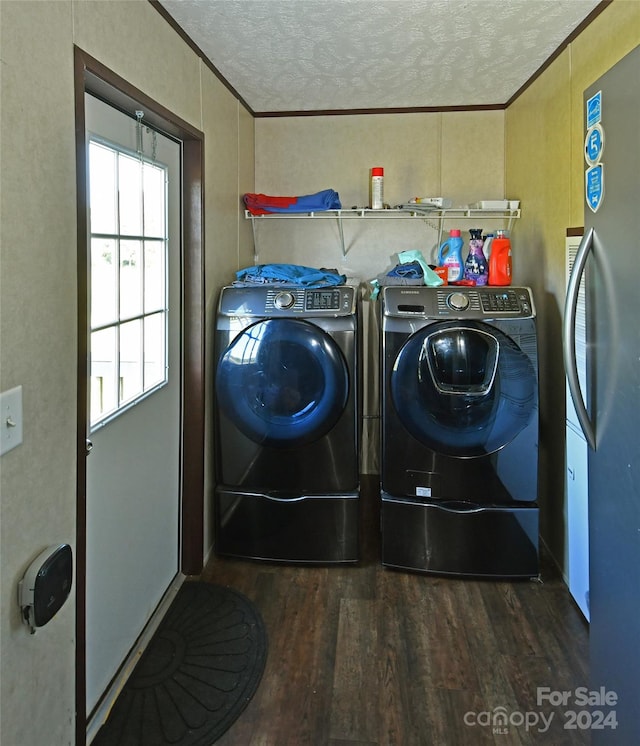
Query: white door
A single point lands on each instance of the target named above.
(133, 500)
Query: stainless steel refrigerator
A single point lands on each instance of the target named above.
(609, 408)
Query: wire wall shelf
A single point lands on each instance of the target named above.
(433, 217)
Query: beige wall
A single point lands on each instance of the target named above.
(458, 155)
(38, 293)
(545, 169)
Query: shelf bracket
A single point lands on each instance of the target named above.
(341, 231)
(255, 240)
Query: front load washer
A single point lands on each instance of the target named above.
(459, 404)
(287, 424)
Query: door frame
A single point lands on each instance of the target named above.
(91, 76)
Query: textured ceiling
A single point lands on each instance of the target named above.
(310, 55)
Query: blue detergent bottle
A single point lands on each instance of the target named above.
(450, 256)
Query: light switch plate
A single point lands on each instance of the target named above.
(10, 419)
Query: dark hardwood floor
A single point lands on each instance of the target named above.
(363, 655)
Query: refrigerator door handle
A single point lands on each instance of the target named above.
(568, 338)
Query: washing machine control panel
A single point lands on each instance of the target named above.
(504, 301)
(458, 302)
(316, 300)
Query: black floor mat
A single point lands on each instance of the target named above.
(198, 673)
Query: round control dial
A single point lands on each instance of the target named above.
(284, 300)
(458, 301)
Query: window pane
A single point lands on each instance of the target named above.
(104, 373)
(130, 186)
(102, 189)
(154, 350)
(130, 279)
(154, 197)
(154, 276)
(104, 259)
(130, 360)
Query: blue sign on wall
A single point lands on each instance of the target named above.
(594, 186)
(594, 109)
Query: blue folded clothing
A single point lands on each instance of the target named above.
(411, 270)
(263, 204)
(287, 274)
(327, 199)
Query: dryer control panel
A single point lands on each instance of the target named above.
(458, 302)
(276, 301)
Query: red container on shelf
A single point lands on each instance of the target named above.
(500, 264)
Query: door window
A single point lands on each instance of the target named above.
(129, 298)
(463, 390)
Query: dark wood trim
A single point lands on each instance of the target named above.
(193, 373)
(400, 110)
(203, 57)
(574, 35)
(82, 413)
(110, 87)
(578, 231)
(92, 76)
(397, 110)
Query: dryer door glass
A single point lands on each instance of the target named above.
(463, 389)
(283, 382)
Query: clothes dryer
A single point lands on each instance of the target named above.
(459, 462)
(287, 424)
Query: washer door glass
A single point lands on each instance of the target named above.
(463, 389)
(283, 382)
